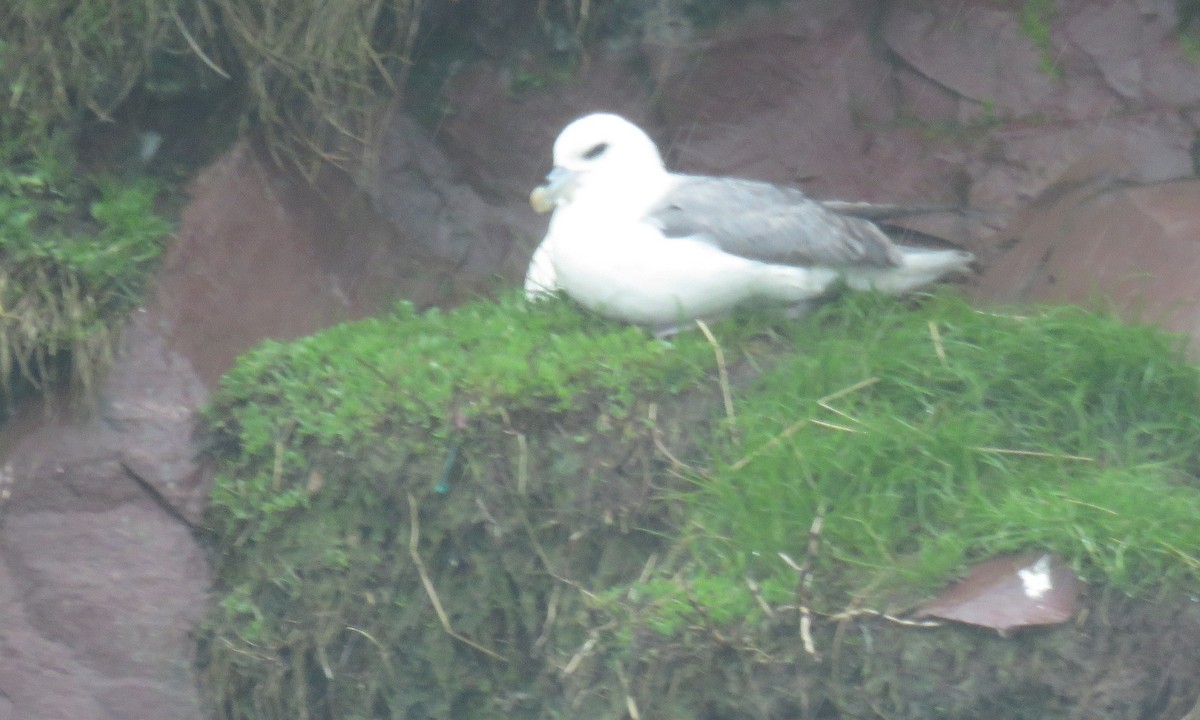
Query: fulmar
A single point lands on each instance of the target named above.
(632, 241)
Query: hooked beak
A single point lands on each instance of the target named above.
(555, 189)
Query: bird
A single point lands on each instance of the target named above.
(632, 241)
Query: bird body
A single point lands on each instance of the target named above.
(632, 241)
(633, 274)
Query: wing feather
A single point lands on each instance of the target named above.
(770, 223)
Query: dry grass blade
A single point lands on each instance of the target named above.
(573, 664)
(322, 72)
(195, 46)
(722, 371)
(938, 348)
(413, 539)
(1090, 505)
(791, 429)
(860, 385)
(656, 434)
(384, 655)
(834, 426)
(1034, 454)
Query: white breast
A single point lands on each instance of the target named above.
(630, 271)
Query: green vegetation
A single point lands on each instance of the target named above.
(76, 242)
(417, 378)
(949, 436)
(64, 63)
(319, 77)
(316, 80)
(66, 282)
(1186, 29)
(949, 130)
(492, 423)
(1190, 45)
(442, 513)
(1036, 16)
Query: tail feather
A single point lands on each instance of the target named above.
(920, 267)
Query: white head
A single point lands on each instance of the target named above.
(602, 152)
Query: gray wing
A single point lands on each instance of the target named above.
(770, 223)
(877, 211)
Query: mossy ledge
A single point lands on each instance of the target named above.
(588, 513)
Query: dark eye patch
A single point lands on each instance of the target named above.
(595, 151)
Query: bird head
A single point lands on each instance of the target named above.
(600, 151)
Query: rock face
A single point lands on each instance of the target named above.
(1134, 249)
(101, 577)
(1074, 161)
(916, 101)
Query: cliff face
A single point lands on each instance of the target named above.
(1071, 151)
(1066, 138)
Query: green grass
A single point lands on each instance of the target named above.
(72, 266)
(1036, 16)
(1061, 430)
(415, 377)
(327, 444)
(521, 436)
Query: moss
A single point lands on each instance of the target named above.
(950, 130)
(496, 426)
(432, 374)
(516, 472)
(1036, 16)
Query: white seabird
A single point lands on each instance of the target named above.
(634, 242)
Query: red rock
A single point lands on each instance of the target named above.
(1135, 246)
(975, 48)
(101, 579)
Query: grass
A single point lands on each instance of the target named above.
(523, 438)
(479, 420)
(68, 280)
(423, 375)
(954, 435)
(1036, 16)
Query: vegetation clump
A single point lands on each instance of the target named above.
(67, 281)
(924, 441)
(64, 63)
(317, 79)
(1036, 17)
(523, 510)
(426, 462)
(76, 243)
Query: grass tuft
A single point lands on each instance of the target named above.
(423, 376)
(979, 434)
(67, 283)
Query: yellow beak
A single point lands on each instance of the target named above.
(557, 188)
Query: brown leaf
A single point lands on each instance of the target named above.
(1009, 592)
